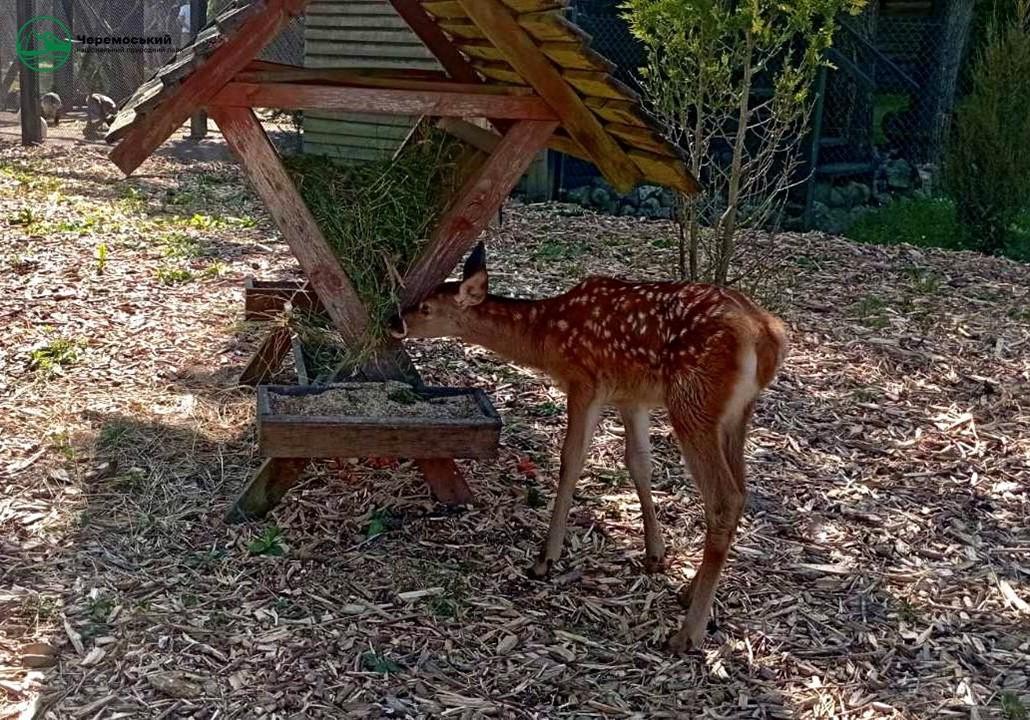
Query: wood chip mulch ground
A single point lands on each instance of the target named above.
(882, 569)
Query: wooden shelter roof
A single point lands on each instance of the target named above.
(523, 48)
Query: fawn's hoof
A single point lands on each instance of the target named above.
(656, 564)
(540, 569)
(683, 642)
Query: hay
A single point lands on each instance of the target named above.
(382, 400)
(376, 216)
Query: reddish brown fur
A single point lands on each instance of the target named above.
(702, 351)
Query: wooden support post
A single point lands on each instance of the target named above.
(266, 488)
(261, 163)
(268, 358)
(503, 30)
(474, 205)
(31, 122)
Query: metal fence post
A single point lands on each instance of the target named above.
(31, 122)
(198, 19)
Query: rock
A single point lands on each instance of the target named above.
(821, 193)
(645, 192)
(838, 221)
(50, 106)
(668, 198)
(580, 195)
(628, 210)
(506, 644)
(838, 199)
(39, 655)
(100, 108)
(858, 193)
(820, 215)
(175, 684)
(600, 197)
(94, 131)
(899, 174)
(652, 204)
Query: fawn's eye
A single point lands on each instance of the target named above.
(424, 308)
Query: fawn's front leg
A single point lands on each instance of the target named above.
(584, 411)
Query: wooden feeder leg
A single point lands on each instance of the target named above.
(445, 481)
(268, 358)
(266, 488)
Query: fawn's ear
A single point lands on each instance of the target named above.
(476, 261)
(472, 290)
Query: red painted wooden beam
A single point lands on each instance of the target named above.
(473, 206)
(261, 163)
(158, 125)
(456, 64)
(383, 101)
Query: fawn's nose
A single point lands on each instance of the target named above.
(398, 328)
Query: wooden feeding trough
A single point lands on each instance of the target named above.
(518, 65)
(296, 421)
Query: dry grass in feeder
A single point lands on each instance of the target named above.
(380, 400)
(377, 216)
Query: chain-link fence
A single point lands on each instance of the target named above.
(886, 100)
(116, 70)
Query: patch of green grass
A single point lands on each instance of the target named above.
(931, 222)
(871, 311)
(61, 441)
(39, 607)
(180, 246)
(101, 254)
(546, 409)
(534, 498)
(113, 434)
(1020, 314)
(378, 524)
(269, 542)
(85, 224)
(556, 250)
(53, 357)
(379, 663)
(173, 275)
(614, 476)
(928, 222)
(1012, 706)
(30, 178)
(100, 608)
(24, 216)
(442, 606)
(215, 270)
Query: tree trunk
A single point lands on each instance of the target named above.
(955, 32)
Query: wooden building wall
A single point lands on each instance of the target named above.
(349, 34)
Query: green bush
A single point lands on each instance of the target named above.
(933, 222)
(987, 166)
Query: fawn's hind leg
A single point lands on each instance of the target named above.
(636, 420)
(723, 500)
